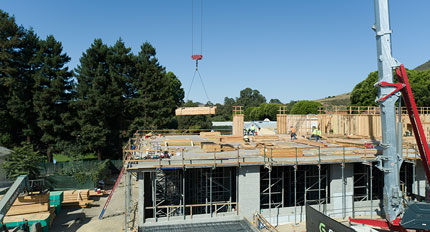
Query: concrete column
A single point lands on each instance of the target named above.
(141, 202)
(420, 180)
(249, 190)
(341, 201)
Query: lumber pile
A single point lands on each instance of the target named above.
(231, 139)
(76, 198)
(227, 147)
(210, 134)
(265, 138)
(310, 143)
(34, 208)
(178, 142)
(216, 147)
(278, 152)
(248, 146)
(45, 218)
(195, 110)
(29, 204)
(210, 147)
(350, 142)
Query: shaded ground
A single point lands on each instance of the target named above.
(86, 219)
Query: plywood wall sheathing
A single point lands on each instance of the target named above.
(238, 124)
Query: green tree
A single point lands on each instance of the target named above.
(121, 65)
(277, 101)
(364, 93)
(305, 107)
(94, 101)
(23, 161)
(250, 97)
(52, 92)
(17, 67)
(224, 111)
(263, 111)
(157, 93)
(10, 44)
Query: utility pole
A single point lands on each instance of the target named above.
(390, 160)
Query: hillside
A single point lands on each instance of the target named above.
(425, 66)
(339, 100)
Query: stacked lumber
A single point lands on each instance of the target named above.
(76, 198)
(209, 134)
(45, 218)
(349, 142)
(310, 143)
(34, 208)
(178, 142)
(265, 138)
(195, 110)
(29, 204)
(248, 146)
(227, 147)
(210, 147)
(278, 152)
(216, 147)
(231, 139)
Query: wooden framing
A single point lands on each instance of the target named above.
(302, 123)
(203, 110)
(366, 125)
(238, 120)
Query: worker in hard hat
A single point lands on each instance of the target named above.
(253, 129)
(318, 135)
(293, 133)
(314, 133)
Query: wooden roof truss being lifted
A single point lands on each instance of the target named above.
(196, 110)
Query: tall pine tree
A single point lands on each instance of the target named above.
(52, 93)
(93, 99)
(121, 63)
(157, 93)
(11, 36)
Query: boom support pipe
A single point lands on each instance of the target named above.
(389, 161)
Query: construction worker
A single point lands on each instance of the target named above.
(318, 135)
(253, 129)
(314, 133)
(293, 133)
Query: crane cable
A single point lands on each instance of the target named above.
(201, 48)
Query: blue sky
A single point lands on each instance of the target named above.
(290, 50)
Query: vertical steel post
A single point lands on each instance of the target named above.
(128, 197)
(295, 191)
(183, 193)
(283, 190)
(319, 179)
(371, 190)
(390, 159)
(127, 201)
(270, 194)
(413, 176)
(343, 185)
(210, 190)
(155, 194)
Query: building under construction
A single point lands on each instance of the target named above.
(217, 176)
